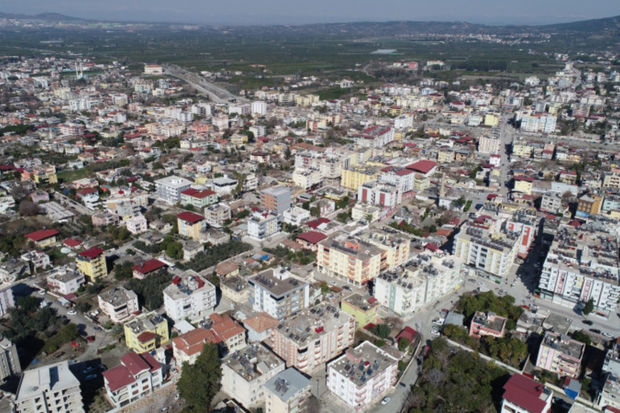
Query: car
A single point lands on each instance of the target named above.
(595, 330)
(606, 334)
(385, 400)
(88, 370)
(587, 322)
(90, 339)
(403, 384)
(90, 377)
(72, 312)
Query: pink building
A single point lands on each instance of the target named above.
(489, 324)
(560, 354)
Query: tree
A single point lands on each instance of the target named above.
(589, 307)
(403, 343)
(28, 208)
(200, 381)
(583, 337)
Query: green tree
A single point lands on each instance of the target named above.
(200, 382)
(403, 343)
(589, 307)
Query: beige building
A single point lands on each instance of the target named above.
(118, 303)
(349, 258)
(288, 392)
(49, 389)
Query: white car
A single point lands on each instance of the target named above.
(385, 400)
(72, 312)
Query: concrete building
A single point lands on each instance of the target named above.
(137, 376)
(245, 372)
(217, 214)
(524, 395)
(362, 375)
(9, 359)
(230, 334)
(169, 189)
(262, 225)
(260, 326)
(609, 394)
(383, 195)
(489, 145)
(296, 216)
(190, 296)
(278, 293)
(198, 198)
(118, 303)
(7, 300)
(349, 258)
(395, 247)
(92, 263)
(487, 324)
(49, 389)
(146, 332)
(287, 392)
(313, 337)
(190, 225)
(560, 354)
(136, 224)
(276, 199)
(363, 308)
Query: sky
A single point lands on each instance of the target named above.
(245, 12)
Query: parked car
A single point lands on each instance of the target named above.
(385, 400)
(587, 322)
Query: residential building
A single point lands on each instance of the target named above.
(169, 189)
(362, 375)
(136, 224)
(489, 145)
(65, 281)
(609, 395)
(217, 214)
(278, 293)
(287, 392)
(560, 354)
(259, 327)
(137, 376)
(235, 288)
(7, 300)
(395, 246)
(487, 324)
(313, 337)
(349, 258)
(188, 346)
(262, 225)
(544, 123)
(588, 205)
(44, 237)
(383, 195)
(229, 333)
(9, 360)
(363, 308)
(198, 198)
(52, 388)
(276, 199)
(525, 395)
(355, 176)
(37, 259)
(118, 303)
(92, 263)
(148, 267)
(245, 372)
(190, 297)
(190, 224)
(146, 332)
(296, 216)
(375, 136)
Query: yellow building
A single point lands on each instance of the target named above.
(190, 224)
(491, 119)
(395, 246)
(91, 263)
(146, 332)
(445, 155)
(363, 308)
(353, 178)
(524, 184)
(45, 174)
(522, 150)
(239, 140)
(349, 258)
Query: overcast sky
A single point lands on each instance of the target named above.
(316, 11)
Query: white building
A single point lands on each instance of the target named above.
(544, 123)
(223, 185)
(190, 296)
(49, 389)
(489, 144)
(137, 376)
(136, 224)
(65, 281)
(379, 194)
(259, 108)
(362, 375)
(216, 214)
(278, 293)
(525, 395)
(169, 189)
(7, 300)
(118, 303)
(262, 225)
(288, 392)
(296, 216)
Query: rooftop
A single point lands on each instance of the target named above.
(287, 384)
(190, 217)
(187, 285)
(564, 344)
(118, 296)
(363, 363)
(42, 234)
(363, 302)
(526, 393)
(311, 323)
(252, 362)
(54, 377)
(279, 282)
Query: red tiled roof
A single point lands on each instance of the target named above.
(86, 191)
(198, 194)
(42, 234)
(424, 166)
(525, 393)
(408, 333)
(70, 242)
(316, 222)
(148, 266)
(93, 252)
(193, 341)
(225, 327)
(190, 217)
(137, 363)
(146, 337)
(312, 237)
(118, 377)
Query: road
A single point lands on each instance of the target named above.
(216, 93)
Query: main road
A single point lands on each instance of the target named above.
(216, 93)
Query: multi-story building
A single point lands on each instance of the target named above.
(381, 194)
(230, 335)
(422, 281)
(278, 293)
(287, 392)
(7, 300)
(363, 308)
(609, 395)
(544, 123)
(136, 224)
(276, 199)
(198, 198)
(375, 136)
(312, 337)
(262, 225)
(560, 354)
(489, 145)
(137, 376)
(217, 214)
(259, 326)
(92, 263)
(362, 375)
(487, 324)
(169, 189)
(524, 395)
(588, 205)
(188, 346)
(9, 360)
(190, 224)
(349, 258)
(395, 246)
(190, 296)
(245, 372)
(118, 303)
(583, 264)
(355, 176)
(296, 216)
(52, 388)
(146, 332)
(552, 203)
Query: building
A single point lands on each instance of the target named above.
(349, 258)
(583, 264)
(259, 327)
(355, 176)
(136, 224)
(92, 263)
(363, 308)
(188, 346)
(52, 388)
(229, 333)
(313, 337)
(9, 360)
(245, 372)
(381, 194)
(421, 282)
(287, 392)
(43, 238)
(217, 214)
(489, 145)
(189, 297)
(235, 288)
(146, 332)
(169, 189)
(190, 224)
(609, 395)
(148, 267)
(560, 354)
(487, 324)
(395, 247)
(198, 198)
(524, 395)
(539, 122)
(278, 293)
(588, 205)
(7, 300)
(296, 216)
(262, 225)
(362, 375)
(118, 303)
(153, 69)
(375, 136)
(276, 199)
(137, 376)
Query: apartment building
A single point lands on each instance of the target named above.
(278, 293)
(44, 237)
(136, 224)
(349, 258)
(190, 224)
(489, 145)
(217, 214)
(190, 296)
(146, 332)
(609, 394)
(245, 372)
(313, 337)
(395, 246)
(276, 199)
(583, 264)
(383, 195)
(262, 225)
(92, 263)
(363, 308)
(287, 392)
(137, 376)
(525, 395)
(188, 346)
(422, 281)
(355, 176)
(229, 334)
(169, 189)
(560, 354)
(362, 375)
(9, 360)
(118, 303)
(487, 324)
(375, 136)
(7, 300)
(538, 122)
(198, 198)
(52, 388)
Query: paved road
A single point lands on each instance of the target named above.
(215, 93)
